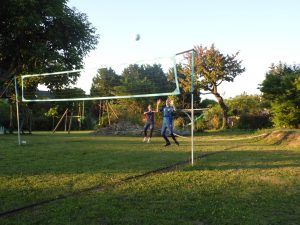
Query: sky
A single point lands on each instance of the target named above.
(263, 31)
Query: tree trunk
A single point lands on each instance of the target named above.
(224, 110)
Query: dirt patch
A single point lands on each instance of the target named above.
(277, 137)
(294, 140)
(121, 128)
(125, 128)
(290, 138)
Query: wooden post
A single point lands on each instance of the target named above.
(108, 113)
(66, 123)
(60, 121)
(17, 108)
(70, 123)
(99, 116)
(113, 110)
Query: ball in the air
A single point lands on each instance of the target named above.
(137, 37)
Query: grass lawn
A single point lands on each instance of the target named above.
(246, 181)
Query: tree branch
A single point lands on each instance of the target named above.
(219, 83)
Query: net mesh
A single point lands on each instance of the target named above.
(147, 78)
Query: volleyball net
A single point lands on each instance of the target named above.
(145, 78)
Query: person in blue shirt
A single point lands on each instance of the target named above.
(149, 122)
(168, 111)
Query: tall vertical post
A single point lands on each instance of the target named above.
(192, 100)
(18, 116)
(83, 109)
(192, 107)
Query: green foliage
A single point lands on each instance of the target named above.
(212, 69)
(179, 123)
(213, 117)
(4, 114)
(281, 87)
(249, 112)
(254, 121)
(42, 36)
(39, 36)
(144, 79)
(134, 80)
(104, 83)
(52, 112)
(208, 103)
(200, 125)
(183, 101)
(285, 114)
(130, 111)
(246, 104)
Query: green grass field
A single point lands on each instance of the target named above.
(86, 179)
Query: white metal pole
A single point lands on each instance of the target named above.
(17, 106)
(192, 129)
(192, 108)
(192, 101)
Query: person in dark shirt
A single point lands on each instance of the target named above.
(149, 122)
(168, 121)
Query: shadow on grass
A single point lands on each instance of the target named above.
(120, 156)
(244, 160)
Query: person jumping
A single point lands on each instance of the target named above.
(149, 122)
(168, 121)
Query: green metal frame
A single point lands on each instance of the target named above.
(175, 92)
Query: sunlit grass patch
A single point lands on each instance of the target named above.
(243, 182)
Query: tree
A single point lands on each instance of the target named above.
(208, 103)
(246, 104)
(144, 79)
(183, 100)
(249, 111)
(104, 83)
(42, 36)
(212, 69)
(5, 114)
(52, 113)
(282, 87)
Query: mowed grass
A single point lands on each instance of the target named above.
(248, 181)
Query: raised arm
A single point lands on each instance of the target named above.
(157, 104)
(172, 104)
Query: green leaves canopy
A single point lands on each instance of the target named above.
(212, 68)
(104, 83)
(42, 36)
(282, 87)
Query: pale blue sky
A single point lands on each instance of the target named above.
(264, 31)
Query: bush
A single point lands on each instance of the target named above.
(285, 114)
(41, 123)
(4, 112)
(200, 125)
(213, 117)
(179, 123)
(254, 121)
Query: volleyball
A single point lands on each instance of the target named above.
(137, 37)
